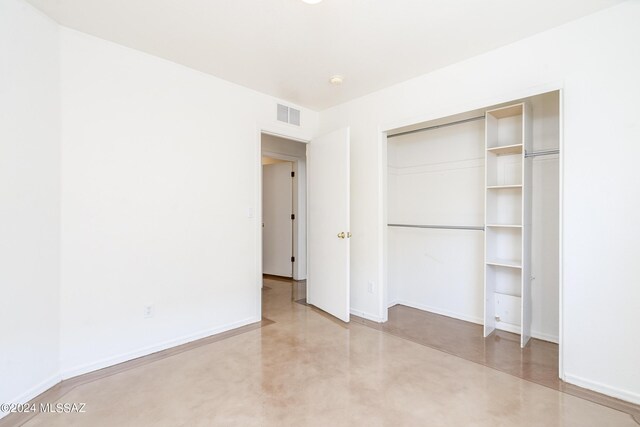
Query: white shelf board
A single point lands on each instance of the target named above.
(505, 225)
(498, 187)
(508, 294)
(512, 263)
(508, 111)
(506, 149)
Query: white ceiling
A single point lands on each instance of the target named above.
(289, 49)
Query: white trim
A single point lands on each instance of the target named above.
(382, 288)
(34, 392)
(145, 351)
(366, 315)
(504, 326)
(617, 393)
(423, 307)
(257, 219)
(561, 373)
(544, 337)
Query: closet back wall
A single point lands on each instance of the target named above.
(436, 177)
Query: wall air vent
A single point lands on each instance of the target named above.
(288, 115)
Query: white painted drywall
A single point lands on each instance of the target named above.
(297, 152)
(597, 62)
(150, 215)
(29, 200)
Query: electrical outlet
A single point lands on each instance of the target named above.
(370, 287)
(148, 311)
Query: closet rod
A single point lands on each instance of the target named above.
(437, 126)
(542, 153)
(443, 227)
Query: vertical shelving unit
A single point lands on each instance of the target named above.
(507, 281)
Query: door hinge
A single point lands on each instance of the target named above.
(293, 174)
(293, 259)
(293, 216)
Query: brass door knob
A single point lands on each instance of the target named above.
(341, 235)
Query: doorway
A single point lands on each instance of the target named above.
(284, 231)
(320, 202)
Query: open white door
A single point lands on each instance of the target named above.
(277, 228)
(328, 223)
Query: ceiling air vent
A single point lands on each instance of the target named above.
(288, 115)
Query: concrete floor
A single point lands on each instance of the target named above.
(308, 369)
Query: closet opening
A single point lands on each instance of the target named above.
(473, 232)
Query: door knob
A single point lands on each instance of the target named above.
(349, 235)
(341, 235)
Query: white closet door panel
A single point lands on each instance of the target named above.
(277, 231)
(328, 281)
(545, 248)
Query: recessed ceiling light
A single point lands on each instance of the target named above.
(336, 80)
(312, 1)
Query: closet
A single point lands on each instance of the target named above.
(473, 217)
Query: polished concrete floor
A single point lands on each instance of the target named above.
(537, 362)
(307, 369)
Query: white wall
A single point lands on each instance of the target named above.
(29, 200)
(297, 152)
(596, 60)
(150, 215)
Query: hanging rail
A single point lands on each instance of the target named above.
(437, 126)
(442, 227)
(541, 153)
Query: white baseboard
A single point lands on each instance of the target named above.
(435, 310)
(145, 351)
(504, 326)
(545, 337)
(625, 395)
(366, 315)
(34, 391)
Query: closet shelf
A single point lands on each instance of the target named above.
(505, 225)
(498, 187)
(505, 262)
(506, 149)
(508, 294)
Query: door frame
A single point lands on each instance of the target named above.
(383, 129)
(255, 213)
